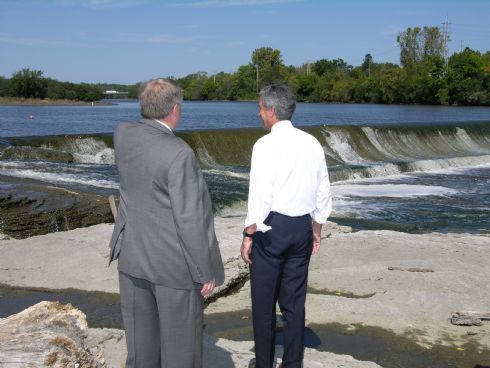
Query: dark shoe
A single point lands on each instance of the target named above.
(251, 364)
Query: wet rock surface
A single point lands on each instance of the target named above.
(29, 208)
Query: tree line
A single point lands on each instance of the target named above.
(424, 76)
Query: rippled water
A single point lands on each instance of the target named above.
(409, 168)
(53, 120)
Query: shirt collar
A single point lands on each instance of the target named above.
(165, 125)
(283, 124)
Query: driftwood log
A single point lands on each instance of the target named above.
(410, 269)
(469, 318)
(47, 334)
(112, 203)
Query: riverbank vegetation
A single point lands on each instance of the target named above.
(425, 75)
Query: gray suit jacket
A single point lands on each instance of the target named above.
(164, 230)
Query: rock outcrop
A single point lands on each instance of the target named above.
(29, 208)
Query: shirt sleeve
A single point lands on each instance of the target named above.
(260, 189)
(323, 197)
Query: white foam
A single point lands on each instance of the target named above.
(229, 173)
(88, 150)
(446, 165)
(203, 155)
(340, 143)
(449, 163)
(389, 190)
(59, 178)
(105, 156)
(373, 138)
(469, 143)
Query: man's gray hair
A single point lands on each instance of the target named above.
(279, 97)
(158, 97)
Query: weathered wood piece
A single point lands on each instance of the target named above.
(469, 318)
(47, 334)
(112, 203)
(410, 269)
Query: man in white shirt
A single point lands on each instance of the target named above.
(289, 200)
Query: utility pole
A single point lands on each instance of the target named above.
(257, 82)
(446, 37)
(308, 67)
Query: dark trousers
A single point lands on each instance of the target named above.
(279, 272)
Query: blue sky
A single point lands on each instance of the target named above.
(126, 41)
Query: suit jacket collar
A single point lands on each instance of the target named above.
(156, 125)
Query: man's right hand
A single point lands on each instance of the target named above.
(317, 237)
(246, 249)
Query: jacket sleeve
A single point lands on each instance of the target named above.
(186, 191)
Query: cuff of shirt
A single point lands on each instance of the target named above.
(260, 225)
(319, 219)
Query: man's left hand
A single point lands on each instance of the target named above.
(207, 288)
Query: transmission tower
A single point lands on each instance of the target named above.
(446, 37)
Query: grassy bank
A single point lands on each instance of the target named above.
(14, 101)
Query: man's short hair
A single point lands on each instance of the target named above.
(158, 97)
(279, 97)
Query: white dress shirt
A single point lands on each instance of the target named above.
(289, 176)
(165, 125)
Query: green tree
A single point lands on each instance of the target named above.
(55, 90)
(486, 58)
(133, 91)
(367, 64)
(4, 86)
(245, 82)
(86, 92)
(467, 79)
(306, 87)
(416, 44)
(28, 83)
(270, 66)
(223, 87)
(266, 56)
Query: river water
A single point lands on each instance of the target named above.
(407, 168)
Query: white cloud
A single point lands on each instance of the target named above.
(104, 4)
(235, 43)
(392, 31)
(27, 41)
(230, 3)
(168, 39)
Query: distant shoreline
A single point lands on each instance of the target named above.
(11, 101)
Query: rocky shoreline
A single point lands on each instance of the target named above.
(29, 207)
(362, 287)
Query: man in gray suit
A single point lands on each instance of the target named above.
(164, 237)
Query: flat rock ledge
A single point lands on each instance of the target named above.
(49, 334)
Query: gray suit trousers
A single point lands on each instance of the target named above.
(163, 325)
